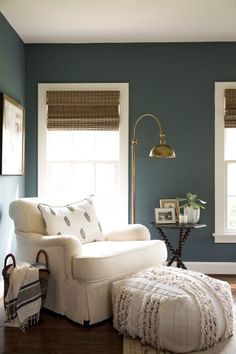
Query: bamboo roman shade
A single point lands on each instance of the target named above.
(83, 110)
(230, 108)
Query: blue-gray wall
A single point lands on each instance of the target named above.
(173, 81)
(12, 82)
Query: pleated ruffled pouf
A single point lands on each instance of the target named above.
(173, 309)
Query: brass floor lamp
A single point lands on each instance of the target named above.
(159, 151)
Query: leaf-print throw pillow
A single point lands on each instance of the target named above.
(77, 219)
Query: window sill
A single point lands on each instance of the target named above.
(225, 237)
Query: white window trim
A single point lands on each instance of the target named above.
(124, 128)
(220, 235)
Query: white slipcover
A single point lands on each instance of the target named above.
(81, 275)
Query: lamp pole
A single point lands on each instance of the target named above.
(160, 151)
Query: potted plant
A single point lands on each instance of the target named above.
(192, 205)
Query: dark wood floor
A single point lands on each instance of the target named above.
(58, 335)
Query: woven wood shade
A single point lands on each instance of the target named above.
(83, 110)
(230, 108)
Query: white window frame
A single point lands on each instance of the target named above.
(124, 135)
(221, 234)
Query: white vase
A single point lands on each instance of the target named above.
(193, 215)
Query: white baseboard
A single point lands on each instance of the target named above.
(212, 267)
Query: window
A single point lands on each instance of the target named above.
(225, 162)
(73, 164)
(230, 166)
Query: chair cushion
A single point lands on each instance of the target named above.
(109, 259)
(78, 219)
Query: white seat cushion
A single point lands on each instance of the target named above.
(108, 259)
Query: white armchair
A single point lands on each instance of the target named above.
(82, 273)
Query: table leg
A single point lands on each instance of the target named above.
(176, 253)
(183, 235)
(169, 246)
(173, 258)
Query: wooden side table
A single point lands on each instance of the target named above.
(184, 232)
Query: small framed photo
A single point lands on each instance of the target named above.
(171, 203)
(165, 215)
(11, 136)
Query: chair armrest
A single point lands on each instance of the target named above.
(135, 232)
(70, 244)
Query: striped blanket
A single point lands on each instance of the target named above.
(23, 299)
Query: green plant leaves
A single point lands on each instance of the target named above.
(184, 205)
(195, 205)
(191, 200)
(191, 197)
(181, 199)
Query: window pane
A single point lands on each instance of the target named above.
(107, 209)
(83, 145)
(230, 143)
(70, 180)
(84, 178)
(58, 176)
(106, 193)
(231, 179)
(70, 145)
(59, 145)
(106, 177)
(107, 145)
(231, 212)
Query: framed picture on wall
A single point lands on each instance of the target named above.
(11, 136)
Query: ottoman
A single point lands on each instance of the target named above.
(173, 309)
